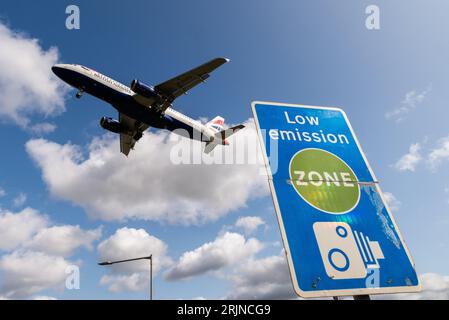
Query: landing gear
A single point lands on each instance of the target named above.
(79, 94)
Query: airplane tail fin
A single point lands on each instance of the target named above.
(216, 124)
(220, 138)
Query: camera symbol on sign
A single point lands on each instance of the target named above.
(346, 254)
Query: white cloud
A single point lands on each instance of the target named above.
(432, 157)
(18, 228)
(131, 243)
(125, 282)
(410, 160)
(249, 224)
(33, 252)
(20, 200)
(392, 202)
(27, 84)
(411, 100)
(28, 229)
(439, 154)
(434, 287)
(227, 249)
(42, 128)
(25, 273)
(128, 243)
(2, 192)
(266, 278)
(44, 298)
(63, 240)
(147, 185)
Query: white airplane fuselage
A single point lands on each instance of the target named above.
(122, 98)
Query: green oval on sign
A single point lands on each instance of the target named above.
(324, 181)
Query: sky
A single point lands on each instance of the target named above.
(69, 198)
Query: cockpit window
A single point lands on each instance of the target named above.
(85, 68)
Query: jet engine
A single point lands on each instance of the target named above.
(111, 125)
(143, 89)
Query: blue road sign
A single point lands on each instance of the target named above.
(338, 232)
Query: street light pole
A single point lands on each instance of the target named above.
(362, 297)
(150, 257)
(151, 277)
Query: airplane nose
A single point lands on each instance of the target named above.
(61, 71)
(56, 69)
(66, 73)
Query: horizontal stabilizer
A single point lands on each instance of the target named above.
(220, 138)
(223, 135)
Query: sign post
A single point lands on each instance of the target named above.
(338, 232)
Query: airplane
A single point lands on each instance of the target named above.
(142, 106)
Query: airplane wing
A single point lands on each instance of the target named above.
(134, 132)
(179, 85)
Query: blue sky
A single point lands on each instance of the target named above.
(391, 82)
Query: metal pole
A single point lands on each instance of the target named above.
(362, 297)
(151, 277)
(150, 257)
